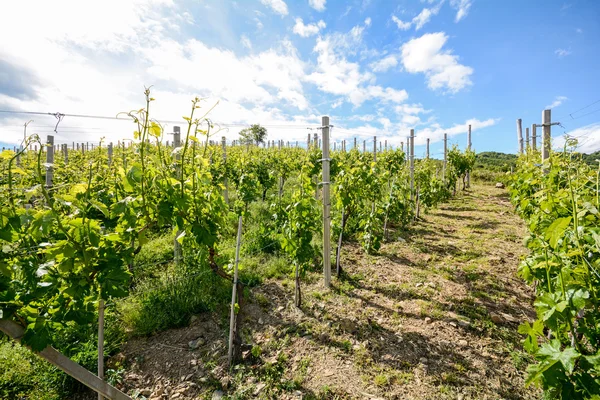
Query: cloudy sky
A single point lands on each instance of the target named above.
(376, 67)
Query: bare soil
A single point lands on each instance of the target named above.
(433, 315)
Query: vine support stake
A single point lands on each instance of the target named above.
(520, 135)
(177, 250)
(533, 137)
(469, 148)
(49, 159)
(546, 120)
(232, 319)
(326, 203)
(110, 153)
(445, 157)
(412, 163)
(100, 343)
(428, 148)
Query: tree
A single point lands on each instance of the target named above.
(256, 134)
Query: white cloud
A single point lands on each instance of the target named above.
(309, 29)
(246, 42)
(588, 138)
(436, 133)
(318, 5)
(562, 52)
(384, 64)
(278, 6)
(462, 8)
(420, 20)
(425, 55)
(558, 100)
(579, 30)
(336, 75)
(368, 21)
(401, 24)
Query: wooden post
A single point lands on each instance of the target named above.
(428, 148)
(100, 343)
(326, 203)
(526, 139)
(65, 364)
(110, 153)
(364, 146)
(533, 137)
(385, 147)
(546, 139)
(232, 319)
(469, 148)
(375, 148)
(355, 146)
(520, 135)
(308, 142)
(445, 156)
(49, 159)
(412, 163)
(225, 183)
(402, 146)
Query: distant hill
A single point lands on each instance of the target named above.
(495, 161)
(590, 159)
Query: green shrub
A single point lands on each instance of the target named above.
(23, 375)
(170, 300)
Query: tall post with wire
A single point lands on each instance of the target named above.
(49, 160)
(225, 183)
(232, 319)
(412, 163)
(520, 135)
(326, 204)
(445, 157)
(546, 139)
(177, 249)
(469, 148)
(427, 154)
(533, 137)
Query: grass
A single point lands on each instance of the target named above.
(25, 376)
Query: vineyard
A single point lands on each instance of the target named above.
(147, 236)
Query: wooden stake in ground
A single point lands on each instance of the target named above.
(445, 156)
(100, 343)
(412, 163)
(546, 139)
(533, 137)
(49, 160)
(232, 318)
(326, 204)
(520, 135)
(469, 148)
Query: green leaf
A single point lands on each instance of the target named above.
(552, 351)
(556, 230)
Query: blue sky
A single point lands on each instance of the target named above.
(375, 67)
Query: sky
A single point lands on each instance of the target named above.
(375, 67)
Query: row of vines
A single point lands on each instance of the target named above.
(66, 246)
(560, 201)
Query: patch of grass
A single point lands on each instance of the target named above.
(170, 300)
(262, 300)
(381, 380)
(23, 375)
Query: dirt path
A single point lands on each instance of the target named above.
(433, 316)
